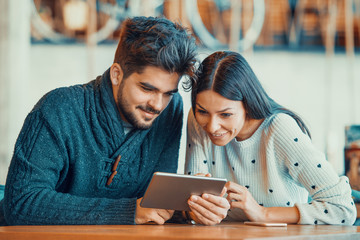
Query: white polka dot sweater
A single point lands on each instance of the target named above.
(280, 167)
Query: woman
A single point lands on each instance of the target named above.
(236, 131)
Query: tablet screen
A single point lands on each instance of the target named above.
(171, 191)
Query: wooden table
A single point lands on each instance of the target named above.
(178, 231)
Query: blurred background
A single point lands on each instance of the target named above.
(306, 53)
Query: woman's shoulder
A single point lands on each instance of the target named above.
(282, 121)
(283, 125)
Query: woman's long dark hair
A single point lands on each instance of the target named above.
(229, 74)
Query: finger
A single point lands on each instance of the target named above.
(234, 187)
(212, 211)
(165, 214)
(237, 204)
(200, 174)
(235, 201)
(223, 192)
(231, 197)
(155, 217)
(202, 215)
(214, 200)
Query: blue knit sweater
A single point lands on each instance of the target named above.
(65, 153)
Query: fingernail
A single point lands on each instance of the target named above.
(205, 196)
(194, 198)
(190, 203)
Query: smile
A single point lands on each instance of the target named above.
(148, 113)
(218, 134)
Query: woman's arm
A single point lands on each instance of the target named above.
(240, 197)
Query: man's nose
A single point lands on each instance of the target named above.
(157, 102)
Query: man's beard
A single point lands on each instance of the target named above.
(130, 116)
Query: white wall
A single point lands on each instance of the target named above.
(297, 80)
(14, 74)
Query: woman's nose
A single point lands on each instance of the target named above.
(213, 125)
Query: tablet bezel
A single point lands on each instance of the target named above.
(171, 191)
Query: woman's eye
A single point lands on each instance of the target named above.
(226, 115)
(201, 111)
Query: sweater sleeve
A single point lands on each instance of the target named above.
(195, 147)
(331, 195)
(35, 171)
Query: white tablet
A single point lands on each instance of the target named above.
(171, 191)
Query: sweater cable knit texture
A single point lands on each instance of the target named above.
(65, 153)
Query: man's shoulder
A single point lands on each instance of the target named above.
(61, 98)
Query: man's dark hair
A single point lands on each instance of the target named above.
(158, 42)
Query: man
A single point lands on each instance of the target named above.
(86, 153)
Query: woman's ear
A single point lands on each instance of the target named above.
(116, 74)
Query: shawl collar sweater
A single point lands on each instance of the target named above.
(66, 153)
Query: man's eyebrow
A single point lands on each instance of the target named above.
(148, 85)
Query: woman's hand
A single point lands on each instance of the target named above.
(240, 197)
(208, 209)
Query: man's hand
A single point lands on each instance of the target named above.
(144, 215)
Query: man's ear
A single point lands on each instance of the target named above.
(116, 74)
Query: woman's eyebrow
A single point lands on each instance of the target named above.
(223, 110)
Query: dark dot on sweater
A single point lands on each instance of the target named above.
(205, 161)
(261, 204)
(213, 162)
(247, 186)
(233, 168)
(253, 161)
(296, 139)
(343, 221)
(310, 203)
(189, 145)
(270, 190)
(296, 164)
(288, 203)
(352, 203)
(319, 165)
(313, 187)
(315, 222)
(326, 211)
(189, 173)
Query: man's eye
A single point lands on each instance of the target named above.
(146, 89)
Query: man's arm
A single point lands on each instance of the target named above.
(38, 167)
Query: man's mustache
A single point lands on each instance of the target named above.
(148, 109)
